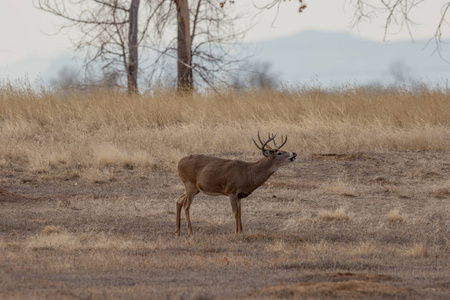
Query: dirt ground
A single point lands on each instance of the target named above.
(353, 225)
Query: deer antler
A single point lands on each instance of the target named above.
(264, 144)
(275, 143)
(282, 143)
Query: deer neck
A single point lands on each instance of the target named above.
(262, 170)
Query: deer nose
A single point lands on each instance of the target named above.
(294, 155)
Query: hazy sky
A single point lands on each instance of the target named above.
(25, 30)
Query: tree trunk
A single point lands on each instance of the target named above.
(133, 48)
(185, 80)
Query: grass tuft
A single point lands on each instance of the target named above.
(279, 246)
(340, 187)
(338, 215)
(394, 216)
(416, 250)
(364, 249)
(51, 229)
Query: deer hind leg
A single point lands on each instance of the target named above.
(191, 191)
(179, 203)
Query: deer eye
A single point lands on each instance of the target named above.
(279, 153)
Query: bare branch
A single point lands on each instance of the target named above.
(398, 16)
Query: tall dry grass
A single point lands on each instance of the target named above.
(50, 129)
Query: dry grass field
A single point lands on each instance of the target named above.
(88, 188)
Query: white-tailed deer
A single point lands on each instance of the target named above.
(234, 178)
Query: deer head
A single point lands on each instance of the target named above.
(275, 153)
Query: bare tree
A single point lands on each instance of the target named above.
(107, 31)
(112, 31)
(255, 75)
(203, 48)
(184, 47)
(68, 78)
(132, 67)
(400, 71)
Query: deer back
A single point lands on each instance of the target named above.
(214, 175)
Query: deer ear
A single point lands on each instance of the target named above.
(266, 153)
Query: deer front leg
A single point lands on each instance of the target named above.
(179, 203)
(239, 214)
(191, 191)
(187, 206)
(236, 206)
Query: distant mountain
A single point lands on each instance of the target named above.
(309, 57)
(338, 58)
